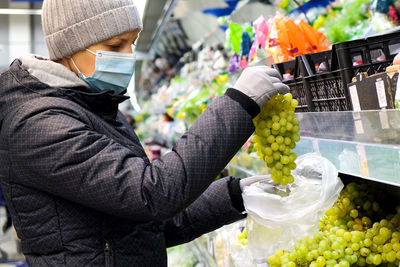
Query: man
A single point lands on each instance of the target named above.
(79, 186)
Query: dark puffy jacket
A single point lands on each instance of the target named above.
(81, 190)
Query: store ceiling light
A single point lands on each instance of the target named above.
(11, 11)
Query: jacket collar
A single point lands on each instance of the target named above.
(103, 103)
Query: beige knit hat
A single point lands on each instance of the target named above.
(73, 25)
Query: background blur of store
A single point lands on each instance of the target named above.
(191, 51)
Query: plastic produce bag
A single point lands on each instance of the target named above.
(279, 216)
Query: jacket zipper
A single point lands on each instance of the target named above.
(107, 251)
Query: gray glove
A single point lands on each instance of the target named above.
(260, 84)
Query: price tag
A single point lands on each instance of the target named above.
(399, 156)
(354, 98)
(362, 156)
(359, 126)
(384, 119)
(380, 91)
(315, 145)
(356, 115)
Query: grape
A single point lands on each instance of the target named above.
(276, 155)
(354, 213)
(348, 236)
(287, 141)
(268, 151)
(276, 135)
(275, 118)
(285, 160)
(270, 139)
(286, 152)
(278, 166)
(282, 147)
(275, 146)
(391, 256)
(242, 237)
(279, 139)
(377, 259)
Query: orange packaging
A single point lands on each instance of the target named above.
(316, 39)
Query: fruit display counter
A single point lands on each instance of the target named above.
(363, 226)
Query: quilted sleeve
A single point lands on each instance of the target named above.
(52, 148)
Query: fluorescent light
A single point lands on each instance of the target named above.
(141, 5)
(12, 11)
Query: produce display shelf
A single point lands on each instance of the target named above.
(364, 144)
(378, 163)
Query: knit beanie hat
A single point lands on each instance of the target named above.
(73, 25)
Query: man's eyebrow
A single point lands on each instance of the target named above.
(115, 39)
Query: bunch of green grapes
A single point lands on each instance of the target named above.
(353, 209)
(242, 237)
(276, 135)
(347, 237)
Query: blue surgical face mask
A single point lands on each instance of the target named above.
(113, 71)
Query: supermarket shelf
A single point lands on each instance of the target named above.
(364, 144)
(378, 127)
(360, 144)
(369, 161)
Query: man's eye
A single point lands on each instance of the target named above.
(115, 47)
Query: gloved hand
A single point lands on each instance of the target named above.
(260, 84)
(268, 186)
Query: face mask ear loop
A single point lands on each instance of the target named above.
(91, 52)
(76, 67)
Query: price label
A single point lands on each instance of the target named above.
(356, 115)
(362, 156)
(384, 119)
(380, 91)
(354, 98)
(359, 126)
(315, 145)
(399, 156)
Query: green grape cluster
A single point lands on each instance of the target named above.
(242, 237)
(276, 135)
(347, 236)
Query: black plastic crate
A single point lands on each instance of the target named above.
(292, 76)
(324, 82)
(327, 92)
(369, 54)
(319, 81)
(372, 55)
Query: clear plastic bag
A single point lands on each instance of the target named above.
(238, 253)
(279, 216)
